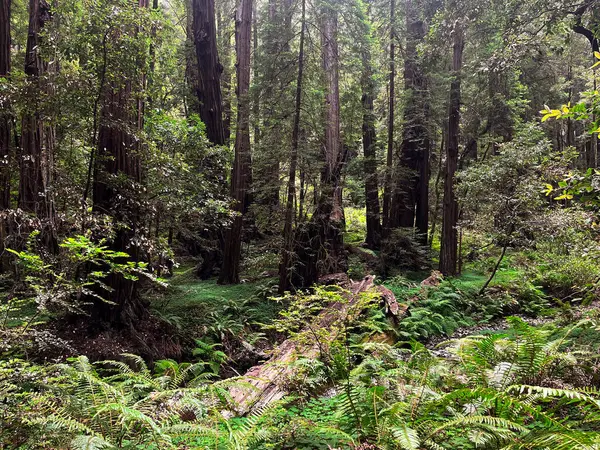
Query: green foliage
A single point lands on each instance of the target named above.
(66, 282)
(436, 312)
(116, 404)
(409, 399)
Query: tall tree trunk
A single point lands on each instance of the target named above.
(285, 267)
(209, 70)
(448, 253)
(241, 174)
(191, 64)
(369, 138)
(6, 130)
(6, 147)
(413, 192)
(224, 32)
(330, 213)
(118, 158)
(36, 136)
(388, 188)
(319, 246)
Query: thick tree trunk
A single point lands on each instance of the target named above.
(411, 201)
(36, 137)
(389, 188)
(209, 70)
(287, 252)
(448, 253)
(118, 158)
(6, 147)
(369, 138)
(241, 174)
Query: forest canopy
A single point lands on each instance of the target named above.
(292, 224)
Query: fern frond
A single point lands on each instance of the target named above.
(86, 442)
(407, 437)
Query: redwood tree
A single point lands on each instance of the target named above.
(388, 189)
(411, 199)
(241, 173)
(449, 244)
(329, 214)
(285, 267)
(209, 70)
(35, 158)
(5, 117)
(369, 140)
(117, 184)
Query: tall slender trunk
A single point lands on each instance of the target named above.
(224, 37)
(119, 157)
(448, 253)
(6, 130)
(330, 213)
(192, 104)
(241, 174)
(388, 188)
(286, 264)
(36, 136)
(319, 246)
(411, 200)
(6, 147)
(209, 70)
(369, 138)
(274, 71)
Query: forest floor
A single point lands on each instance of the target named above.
(233, 316)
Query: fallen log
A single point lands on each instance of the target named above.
(269, 378)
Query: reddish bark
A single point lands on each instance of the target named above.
(411, 200)
(209, 70)
(241, 173)
(388, 188)
(6, 148)
(285, 267)
(117, 179)
(36, 137)
(449, 243)
(369, 138)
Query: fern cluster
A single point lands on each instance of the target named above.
(121, 404)
(516, 390)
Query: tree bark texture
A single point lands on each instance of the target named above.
(269, 379)
(369, 138)
(449, 244)
(209, 70)
(224, 36)
(388, 188)
(117, 180)
(287, 253)
(242, 170)
(329, 214)
(35, 159)
(411, 199)
(6, 147)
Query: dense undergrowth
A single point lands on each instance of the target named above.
(514, 365)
